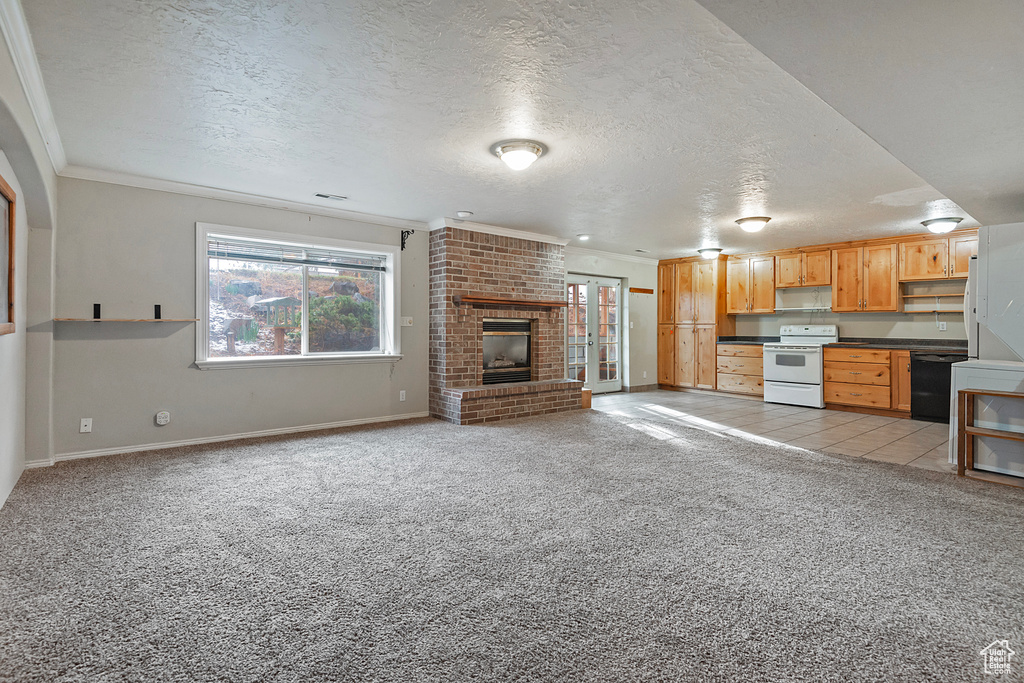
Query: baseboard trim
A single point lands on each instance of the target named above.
(36, 464)
(120, 450)
(636, 388)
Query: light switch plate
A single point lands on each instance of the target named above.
(406, 321)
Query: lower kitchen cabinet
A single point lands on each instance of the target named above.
(858, 377)
(695, 356)
(741, 369)
(666, 354)
(900, 372)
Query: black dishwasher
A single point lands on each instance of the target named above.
(930, 384)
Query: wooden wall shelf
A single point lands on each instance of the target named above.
(126, 320)
(460, 300)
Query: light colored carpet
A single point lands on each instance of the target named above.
(573, 547)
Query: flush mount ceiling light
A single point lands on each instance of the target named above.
(518, 154)
(463, 214)
(753, 223)
(941, 225)
(709, 252)
(583, 238)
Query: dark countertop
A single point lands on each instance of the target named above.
(935, 345)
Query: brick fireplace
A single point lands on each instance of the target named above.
(476, 276)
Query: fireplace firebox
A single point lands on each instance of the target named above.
(507, 345)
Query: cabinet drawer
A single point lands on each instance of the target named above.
(857, 373)
(741, 365)
(743, 350)
(857, 394)
(741, 384)
(856, 355)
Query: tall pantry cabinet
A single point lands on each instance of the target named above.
(691, 316)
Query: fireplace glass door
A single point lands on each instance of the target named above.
(594, 333)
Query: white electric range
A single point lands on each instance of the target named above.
(794, 366)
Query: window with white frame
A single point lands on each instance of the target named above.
(272, 298)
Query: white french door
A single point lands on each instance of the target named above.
(593, 348)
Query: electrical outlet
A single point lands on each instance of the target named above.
(630, 324)
(645, 374)
(86, 426)
(942, 327)
(401, 395)
(163, 417)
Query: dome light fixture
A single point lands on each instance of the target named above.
(518, 154)
(463, 214)
(709, 252)
(753, 223)
(941, 225)
(582, 237)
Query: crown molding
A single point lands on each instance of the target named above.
(440, 223)
(19, 42)
(581, 251)
(174, 187)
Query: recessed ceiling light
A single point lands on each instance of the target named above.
(335, 197)
(463, 214)
(941, 225)
(709, 252)
(518, 154)
(583, 238)
(753, 223)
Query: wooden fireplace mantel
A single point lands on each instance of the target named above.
(464, 300)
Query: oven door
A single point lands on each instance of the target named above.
(800, 364)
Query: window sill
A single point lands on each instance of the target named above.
(281, 361)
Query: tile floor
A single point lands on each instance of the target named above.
(887, 439)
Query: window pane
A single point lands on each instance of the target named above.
(255, 309)
(344, 310)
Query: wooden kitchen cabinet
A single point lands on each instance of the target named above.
(751, 285)
(666, 354)
(666, 293)
(864, 278)
(857, 377)
(927, 260)
(961, 249)
(741, 369)
(695, 358)
(805, 269)
(937, 259)
(694, 290)
(900, 372)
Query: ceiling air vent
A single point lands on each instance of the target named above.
(335, 197)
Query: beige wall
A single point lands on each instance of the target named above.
(891, 325)
(127, 249)
(12, 356)
(641, 309)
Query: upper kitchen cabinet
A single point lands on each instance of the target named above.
(937, 259)
(804, 269)
(864, 278)
(751, 285)
(961, 249)
(666, 293)
(927, 260)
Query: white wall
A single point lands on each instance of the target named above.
(641, 309)
(127, 249)
(12, 355)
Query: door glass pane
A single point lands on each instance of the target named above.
(576, 332)
(608, 333)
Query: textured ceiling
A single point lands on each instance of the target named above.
(663, 125)
(936, 82)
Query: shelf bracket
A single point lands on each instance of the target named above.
(405, 236)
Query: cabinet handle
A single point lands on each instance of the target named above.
(853, 356)
(852, 393)
(854, 373)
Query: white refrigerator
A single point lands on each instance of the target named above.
(994, 318)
